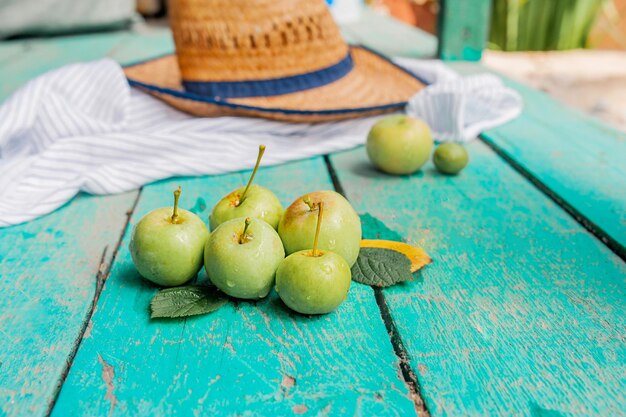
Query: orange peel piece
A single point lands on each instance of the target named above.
(418, 257)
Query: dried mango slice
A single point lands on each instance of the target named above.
(417, 256)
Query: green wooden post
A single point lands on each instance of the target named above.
(463, 29)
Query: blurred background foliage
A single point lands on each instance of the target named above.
(540, 25)
(532, 25)
(516, 25)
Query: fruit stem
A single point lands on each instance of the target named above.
(176, 197)
(307, 200)
(242, 238)
(256, 167)
(319, 224)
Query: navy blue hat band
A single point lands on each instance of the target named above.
(271, 87)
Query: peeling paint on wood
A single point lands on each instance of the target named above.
(523, 315)
(576, 157)
(49, 267)
(246, 358)
(521, 305)
(48, 276)
(108, 374)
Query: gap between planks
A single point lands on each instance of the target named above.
(580, 218)
(408, 374)
(104, 270)
(589, 225)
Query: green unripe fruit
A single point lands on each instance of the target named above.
(249, 201)
(450, 158)
(259, 203)
(313, 284)
(241, 257)
(167, 245)
(399, 144)
(342, 226)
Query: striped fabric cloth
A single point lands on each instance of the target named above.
(82, 128)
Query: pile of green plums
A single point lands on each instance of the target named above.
(401, 145)
(251, 233)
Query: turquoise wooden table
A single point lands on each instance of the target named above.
(521, 313)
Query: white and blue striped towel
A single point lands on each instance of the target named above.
(82, 128)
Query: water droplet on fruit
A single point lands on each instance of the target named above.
(230, 284)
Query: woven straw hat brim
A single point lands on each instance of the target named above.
(375, 85)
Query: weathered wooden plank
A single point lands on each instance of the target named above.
(48, 271)
(246, 358)
(49, 267)
(134, 53)
(463, 26)
(574, 157)
(579, 159)
(22, 60)
(521, 312)
(391, 36)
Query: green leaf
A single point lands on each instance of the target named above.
(186, 301)
(381, 267)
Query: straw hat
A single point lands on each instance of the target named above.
(278, 59)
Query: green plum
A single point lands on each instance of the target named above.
(249, 201)
(259, 202)
(241, 257)
(167, 245)
(450, 158)
(342, 230)
(399, 144)
(313, 281)
(313, 284)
